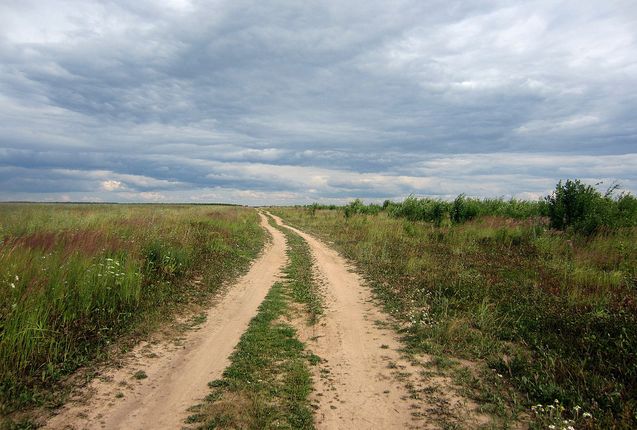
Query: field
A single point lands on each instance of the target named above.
(521, 322)
(552, 314)
(76, 278)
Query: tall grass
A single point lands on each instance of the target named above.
(73, 278)
(554, 313)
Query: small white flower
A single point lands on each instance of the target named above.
(12, 285)
(552, 427)
(587, 415)
(17, 278)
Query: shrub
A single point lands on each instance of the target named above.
(464, 209)
(582, 208)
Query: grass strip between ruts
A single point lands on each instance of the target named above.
(268, 381)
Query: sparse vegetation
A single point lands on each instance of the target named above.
(299, 275)
(554, 312)
(75, 278)
(140, 374)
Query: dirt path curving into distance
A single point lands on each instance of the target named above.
(362, 383)
(177, 375)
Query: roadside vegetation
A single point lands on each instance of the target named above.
(74, 279)
(572, 206)
(268, 382)
(544, 294)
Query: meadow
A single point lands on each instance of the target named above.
(550, 312)
(75, 279)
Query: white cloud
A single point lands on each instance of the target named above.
(111, 185)
(559, 124)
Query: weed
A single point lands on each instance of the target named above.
(140, 374)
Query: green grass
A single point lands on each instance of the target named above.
(76, 278)
(268, 382)
(299, 274)
(140, 374)
(555, 314)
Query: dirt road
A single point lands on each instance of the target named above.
(362, 383)
(177, 376)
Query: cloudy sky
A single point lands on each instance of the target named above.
(299, 101)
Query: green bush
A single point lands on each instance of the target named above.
(464, 209)
(583, 209)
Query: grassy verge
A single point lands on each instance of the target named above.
(268, 383)
(553, 316)
(77, 278)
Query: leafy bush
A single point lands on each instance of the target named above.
(582, 208)
(358, 207)
(464, 209)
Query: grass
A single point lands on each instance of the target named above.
(554, 314)
(140, 374)
(268, 381)
(77, 278)
(300, 278)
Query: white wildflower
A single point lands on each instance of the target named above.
(587, 415)
(12, 285)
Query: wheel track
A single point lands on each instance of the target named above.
(177, 376)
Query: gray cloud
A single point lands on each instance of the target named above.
(293, 102)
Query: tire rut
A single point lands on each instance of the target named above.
(176, 375)
(362, 381)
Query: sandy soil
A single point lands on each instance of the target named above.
(356, 388)
(364, 381)
(177, 373)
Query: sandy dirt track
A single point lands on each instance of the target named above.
(177, 374)
(357, 386)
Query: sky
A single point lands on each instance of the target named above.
(292, 102)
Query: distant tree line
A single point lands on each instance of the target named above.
(571, 206)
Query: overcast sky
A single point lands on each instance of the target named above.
(299, 101)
